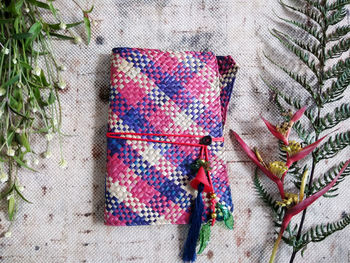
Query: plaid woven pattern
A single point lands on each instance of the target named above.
(158, 92)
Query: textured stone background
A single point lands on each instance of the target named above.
(65, 223)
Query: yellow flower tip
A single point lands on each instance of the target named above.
(278, 168)
(284, 127)
(302, 185)
(293, 147)
(258, 156)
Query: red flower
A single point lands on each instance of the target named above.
(254, 158)
(282, 132)
(296, 155)
(302, 205)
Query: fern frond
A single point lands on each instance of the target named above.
(298, 51)
(298, 78)
(338, 33)
(330, 120)
(313, 31)
(320, 232)
(308, 12)
(327, 177)
(278, 211)
(337, 69)
(335, 92)
(336, 5)
(336, 17)
(338, 49)
(312, 48)
(333, 146)
(302, 133)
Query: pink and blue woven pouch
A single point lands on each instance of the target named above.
(161, 104)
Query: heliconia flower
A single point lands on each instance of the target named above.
(296, 152)
(276, 167)
(302, 205)
(282, 132)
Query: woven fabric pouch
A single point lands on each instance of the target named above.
(162, 103)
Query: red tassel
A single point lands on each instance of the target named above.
(202, 178)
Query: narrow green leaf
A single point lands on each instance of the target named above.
(21, 195)
(64, 37)
(6, 21)
(11, 81)
(52, 98)
(23, 164)
(39, 4)
(229, 222)
(9, 137)
(87, 28)
(204, 237)
(11, 207)
(57, 26)
(22, 36)
(34, 30)
(53, 9)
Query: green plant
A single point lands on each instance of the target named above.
(30, 84)
(324, 42)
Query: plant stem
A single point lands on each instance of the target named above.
(319, 106)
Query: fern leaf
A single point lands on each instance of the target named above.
(333, 146)
(299, 52)
(308, 12)
(302, 133)
(336, 5)
(335, 92)
(337, 69)
(336, 17)
(298, 78)
(327, 177)
(338, 49)
(267, 198)
(313, 48)
(338, 33)
(313, 31)
(330, 120)
(320, 232)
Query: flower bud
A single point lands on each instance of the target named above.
(47, 154)
(14, 61)
(63, 164)
(4, 177)
(62, 85)
(77, 40)
(62, 68)
(36, 161)
(8, 234)
(49, 136)
(26, 10)
(10, 151)
(63, 26)
(2, 91)
(37, 71)
(6, 51)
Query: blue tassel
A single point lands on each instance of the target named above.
(189, 254)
